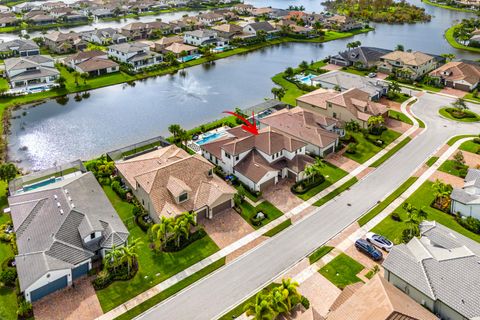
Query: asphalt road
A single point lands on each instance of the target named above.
(211, 297)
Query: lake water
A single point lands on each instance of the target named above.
(120, 115)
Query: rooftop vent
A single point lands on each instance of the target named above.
(55, 197)
(73, 205)
(69, 198)
(61, 211)
(58, 204)
(66, 191)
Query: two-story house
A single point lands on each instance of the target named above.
(262, 26)
(342, 23)
(19, 48)
(34, 72)
(93, 62)
(407, 65)
(203, 37)
(62, 225)
(136, 54)
(259, 161)
(168, 181)
(210, 18)
(60, 42)
(105, 36)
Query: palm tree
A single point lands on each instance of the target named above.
(160, 232)
(303, 65)
(375, 122)
(190, 219)
(261, 309)
(174, 129)
(448, 56)
(289, 288)
(442, 193)
(460, 105)
(394, 87)
(289, 72)
(275, 92)
(280, 93)
(399, 47)
(84, 76)
(112, 258)
(183, 137)
(76, 75)
(352, 126)
(279, 300)
(180, 228)
(414, 217)
(129, 253)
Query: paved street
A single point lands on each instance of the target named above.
(212, 296)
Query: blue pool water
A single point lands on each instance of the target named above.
(191, 57)
(209, 137)
(40, 184)
(307, 79)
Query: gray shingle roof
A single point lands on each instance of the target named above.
(18, 43)
(442, 264)
(52, 221)
(468, 194)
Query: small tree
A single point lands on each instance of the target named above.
(289, 72)
(174, 129)
(303, 65)
(399, 47)
(352, 126)
(459, 158)
(414, 217)
(460, 105)
(8, 171)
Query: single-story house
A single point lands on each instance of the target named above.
(168, 181)
(164, 42)
(93, 62)
(61, 228)
(439, 270)
(458, 75)
(60, 42)
(178, 49)
(228, 30)
(320, 133)
(19, 47)
(362, 57)
(254, 27)
(466, 200)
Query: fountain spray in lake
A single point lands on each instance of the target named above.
(188, 87)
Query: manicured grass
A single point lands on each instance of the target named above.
(336, 192)
(472, 98)
(319, 254)
(400, 116)
(451, 167)
(271, 212)
(452, 141)
(4, 84)
(355, 71)
(421, 124)
(342, 271)
(153, 268)
(292, 92)
(445, 6)
(422, 198)
(431, 161)
(238, 310)
(475, 117)
(470, 146)
(282, 226)
(331, 173)
(391, 152)
(385, 203)
(400, 97)
(130, 314)
(453, 42)
(248, 194)
(366, 149)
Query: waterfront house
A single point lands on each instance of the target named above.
(93, 62)
(258, 161)
(210, 18)
(102, 13)
(60, 42)
(42, 19)
(105, 36)
(62, 226)
(228, 30)
(378, 299)
(164, 42)
(466, 200)
(255, 27)
(168, 181)
(458, 75)
(440, 270)
(343, 81)
(136, 54)
(320, 133)
(408, 65)
(352, 104)
(202, 37)
(342, 23)
(8, 19)
(141, 30)
(180, 50)
(19, 48)
(361, 57)
(33, 72)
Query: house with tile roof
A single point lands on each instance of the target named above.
(320, 133)
(94, 62)
(352, 104)
(36, 71)
(466, 200)
(363, 57)
(60, 42)
(19, 47)
(61, 226)
(458, 75)
(439, 270)
(136, 54)
(409, 65)
(259, 161)
(168, 181)
(376, 300)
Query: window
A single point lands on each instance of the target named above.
(183, 197)
(92, 236)
(227, 155)
(237, 158)
(335, 115)
(210, 172)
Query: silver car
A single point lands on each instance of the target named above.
(379, 241)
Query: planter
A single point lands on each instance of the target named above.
(305, 185)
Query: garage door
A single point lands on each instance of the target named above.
(291, 175)
(49, 288)
(221, 207)
(267, 184)
(80, 271)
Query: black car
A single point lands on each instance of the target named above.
(365, 247)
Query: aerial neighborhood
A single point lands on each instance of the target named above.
(348, 187)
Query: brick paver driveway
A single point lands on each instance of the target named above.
(79, 303)
(227, 228)
(281, 197)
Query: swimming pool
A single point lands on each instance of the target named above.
(39, 184)
(209, 137)
(191, 57)
(307, 79)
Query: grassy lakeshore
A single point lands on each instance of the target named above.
(444, 6)
(453, 42)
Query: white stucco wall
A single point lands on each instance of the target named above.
(466, 210)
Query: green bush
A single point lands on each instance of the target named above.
(171, 246)
(469, 223)
(137, 210)
(24, 310)
(258, 221)
(396, 217)
(476, 140)
(102, 280)
(117, 187)
(8, 277)
(305, 185)
(351, 148)
(305, 302)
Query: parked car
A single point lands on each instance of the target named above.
(372, 75)
(379, 241)
(368, 249)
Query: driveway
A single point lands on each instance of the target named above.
(246, 275)
(79, 303)
(281, 197)
(226, 228)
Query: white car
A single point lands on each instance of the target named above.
(379, 241)
(372, 75)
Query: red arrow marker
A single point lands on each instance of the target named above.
(250, 127)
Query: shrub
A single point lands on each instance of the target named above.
(407, 235)
(25, 310)
(305, 185)
(351, 148)
(117, 187)
(469, 223)
(258, 221)
(305, 302)
(137, 210)
(476, 140)
(7, 263)
(396, 217)
(8, 277)
(102, 280)
(171, 246)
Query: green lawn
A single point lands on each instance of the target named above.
(445, 6)
(422, 198)
(130, 314)
(266, 207)
(292, 92)
(475, 117)
(400, 116)
(154, 268)
(451, 167)
(400, 97)
(355, 71)
(319, 254)
(4, 84)
(391, 152)
(431, 161)
(342, 271)
(453, 42)
(470, 146)
(366, 149)
(282, 226)
(331, 173)
(470, 97)
(336, 192)
(452, 141)
(385, 203)
(421, 124)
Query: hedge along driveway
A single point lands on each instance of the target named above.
(153, 268)
(331, 174)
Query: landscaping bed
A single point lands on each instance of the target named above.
(331, 174)
(400, 116)
(454, 168)
(457, 115)
(249, 213)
